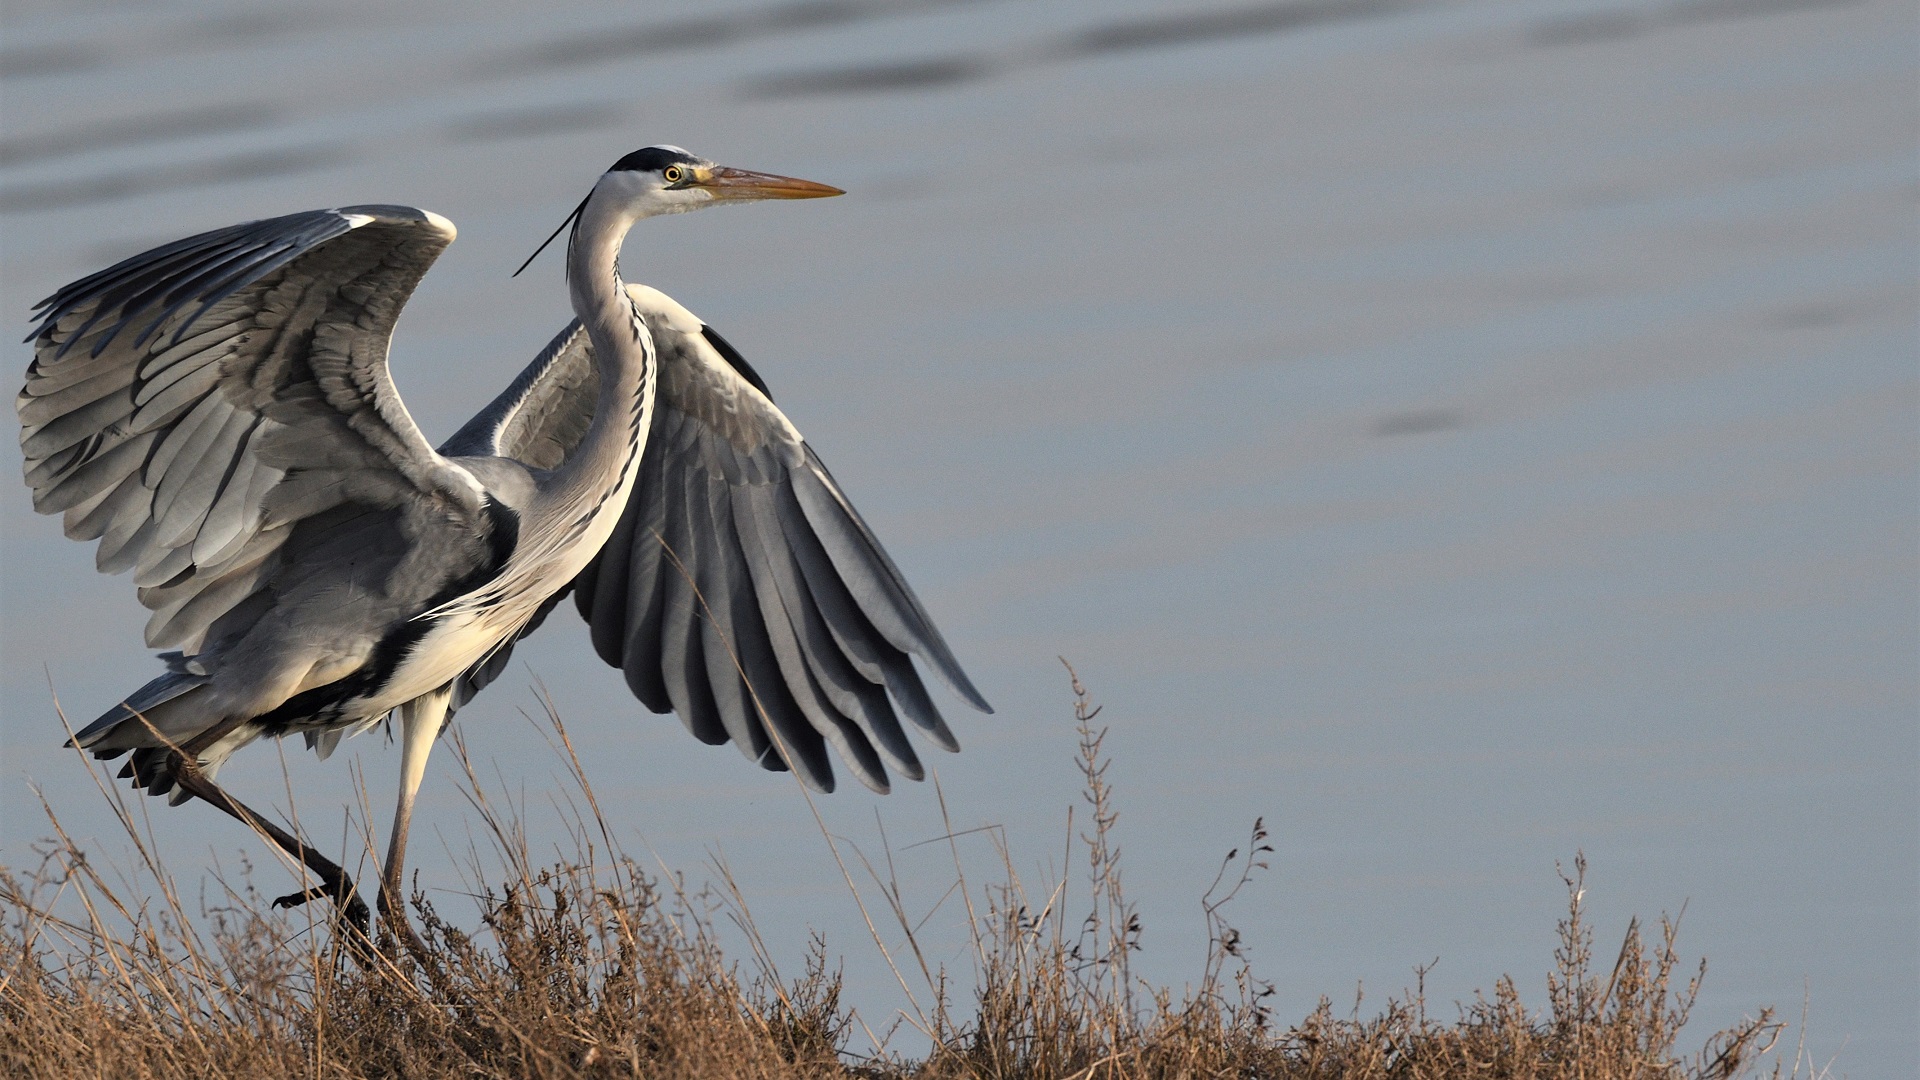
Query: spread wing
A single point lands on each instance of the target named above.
(741, 589)
(189, 406)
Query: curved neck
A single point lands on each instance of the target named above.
(593, 273)
(573, 508)
(622, 352)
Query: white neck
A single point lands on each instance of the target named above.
(575, 507)
(593, 269)
(622, 349)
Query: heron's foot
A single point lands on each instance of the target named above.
(353, 910)
(292, 900)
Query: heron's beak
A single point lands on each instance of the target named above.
(740, 185)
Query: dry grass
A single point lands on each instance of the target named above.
(596, 969)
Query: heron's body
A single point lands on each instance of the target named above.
(218, 414)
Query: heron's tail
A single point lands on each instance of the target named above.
(172, 713)
(167, 703)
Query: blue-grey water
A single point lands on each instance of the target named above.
(1463, 433)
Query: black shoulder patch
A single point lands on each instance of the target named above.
(325, 702)
(502, 539)
(653, 159)
(734, 360)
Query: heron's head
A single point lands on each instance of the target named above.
(668, 180)
(658, 180)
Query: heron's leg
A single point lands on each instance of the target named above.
(420, 723)
(183, 762)
(335, 883)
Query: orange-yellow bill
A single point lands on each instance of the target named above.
(726, 183)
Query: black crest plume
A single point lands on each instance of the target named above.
(571, 218)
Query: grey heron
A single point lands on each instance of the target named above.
(218, 414)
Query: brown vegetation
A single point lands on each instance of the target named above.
(595, 969)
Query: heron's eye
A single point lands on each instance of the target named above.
(673, 174)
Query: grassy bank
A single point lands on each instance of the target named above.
(593, 968)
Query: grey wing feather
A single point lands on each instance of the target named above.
(741, 589)
(189, 406)
(542, 415)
